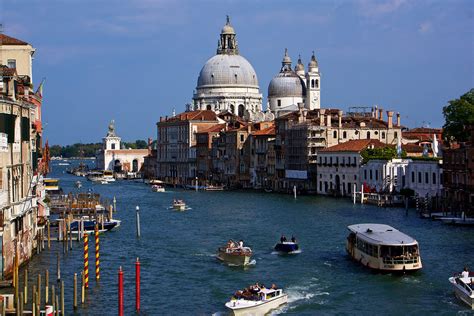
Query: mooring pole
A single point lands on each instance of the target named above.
(120, 292)
(97, 256)
(294, 191)
(138, 221)
(137, 285)
(86, 261)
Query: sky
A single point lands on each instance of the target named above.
(134, 61)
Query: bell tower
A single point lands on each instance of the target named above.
(313, 85)
(111, 141)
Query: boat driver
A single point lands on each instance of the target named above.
(465, 273)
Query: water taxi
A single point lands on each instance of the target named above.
(157, 188)
(464, 288)
(256, 301)
(179, 205)
(382, 247)
(235, 255)
(288, 247)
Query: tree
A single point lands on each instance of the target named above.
(458, 115)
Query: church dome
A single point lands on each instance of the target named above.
(286, 84)
(223, 69)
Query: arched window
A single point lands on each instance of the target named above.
(312, 83)
(368, 135)
(241, 110)
(232, 109)
(317, 83)
(383, 135)
(334, 134)
(209, 107)
(344, 134)
(134, 165)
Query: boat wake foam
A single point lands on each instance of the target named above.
(274, 252)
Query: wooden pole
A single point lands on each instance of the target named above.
(57, 306)
(46, 288)
(83, 290)
(49, 236)
(21, 303)
(62, 299)
(39, 290)
(74, 298)
(33, 299)
(58, 270)
(53, 298)
(26, 286)
(17, 309)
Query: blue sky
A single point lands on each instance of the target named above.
(134, 61)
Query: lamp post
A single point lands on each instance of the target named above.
(196, 184)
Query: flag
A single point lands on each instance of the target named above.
(39, 91)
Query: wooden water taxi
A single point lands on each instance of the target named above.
(233, 254)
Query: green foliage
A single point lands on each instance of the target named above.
(458, 115)
(89, 150)
(138, 144)
(384, 153)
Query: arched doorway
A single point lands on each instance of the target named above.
(117, 166)
(232, 109)
(134, 165)
(241, 110)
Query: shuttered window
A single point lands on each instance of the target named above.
(25, 129)
(7, 126)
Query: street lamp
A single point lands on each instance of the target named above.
(196, 184)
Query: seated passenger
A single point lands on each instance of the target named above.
(465, 273)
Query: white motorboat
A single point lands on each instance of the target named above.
(464, 288)
(460, 221)
(157, 188)
(179, 205)
(382, 247)
(258, 302)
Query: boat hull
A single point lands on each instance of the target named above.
(233, 259)
(286, 247)
(260, 307)
(462, 293)
(179, 207)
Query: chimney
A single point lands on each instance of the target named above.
(329, 119)
(249, 128)
(398, 119)
(339, 116)
(321, 117)
(380, 114)
(375, 112)
(390, 119)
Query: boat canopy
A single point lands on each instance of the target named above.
(381, 234)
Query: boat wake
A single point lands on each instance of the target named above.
(250, 264)
(301, 294)
(274, 252)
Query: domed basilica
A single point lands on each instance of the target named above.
(228, 83)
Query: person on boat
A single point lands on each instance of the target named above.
(465, 273)
(241, 244)
(274, 287)
(282, 238)
(293, 239)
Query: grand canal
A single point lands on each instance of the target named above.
(181, 276)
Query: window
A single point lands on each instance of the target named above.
(376, 175)
(344, 134)
(11, 63)
(395, 135)
(334, 134)
(365, 174)
(368, 135)
(419, 177)
(426, 178)
(312, 83)
(317, 83)
(113, 146)
(355, 177)
(241, 137)
(383, 135)
(330, 160)
(434, 177)
(355, 163)
(325, 160)
(279, 102)
(413, 177)
(320, 186)
(370, 174)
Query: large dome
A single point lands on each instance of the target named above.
(223, 69)
(286, 84)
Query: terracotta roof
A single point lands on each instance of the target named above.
(412, 148)
(5, 71)
(267, 131)
(204, 115)
(354, 145)
(213, 129)
(7, 40)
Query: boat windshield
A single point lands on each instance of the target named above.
(399, 254)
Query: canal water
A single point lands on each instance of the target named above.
(181, 276)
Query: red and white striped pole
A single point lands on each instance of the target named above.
(120, 292)
(137, 285)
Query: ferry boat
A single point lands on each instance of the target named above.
(238, 256)
(256, 302)
(382, 247)
(464, 288)
(179, 205)
(157, 188)
(51, 186)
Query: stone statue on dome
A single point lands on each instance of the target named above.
(111, 131)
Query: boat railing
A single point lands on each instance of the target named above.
(401, 260)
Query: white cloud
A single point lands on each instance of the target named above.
(425, 27)
(376, 8)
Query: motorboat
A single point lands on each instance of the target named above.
(238, 256)
(78, 184)
(460, 221)
(287, 247)
(214, 188)
(89, 225)
(157, 188)
(179, 205)
(256, 301)
(382, 247)
(464, 288)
